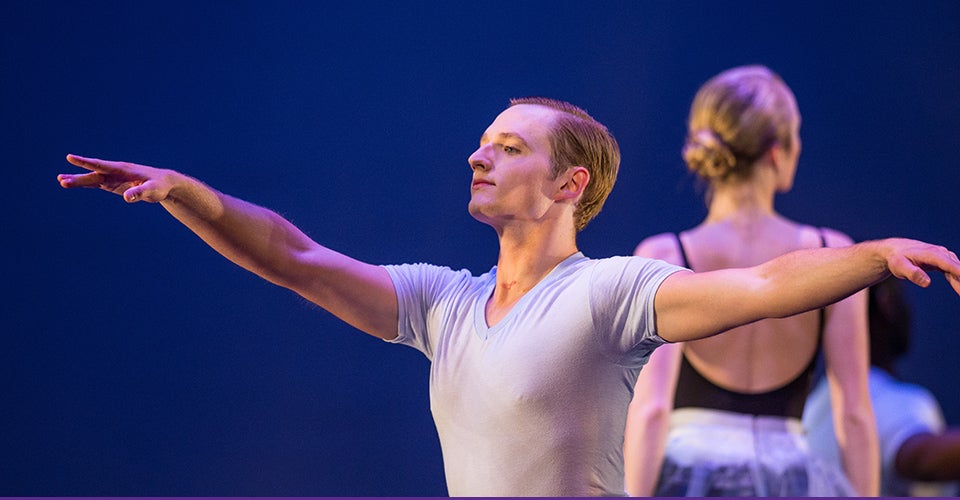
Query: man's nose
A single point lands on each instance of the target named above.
(479, 160)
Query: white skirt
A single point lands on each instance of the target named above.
(720, 453)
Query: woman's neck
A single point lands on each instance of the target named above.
(752, 198)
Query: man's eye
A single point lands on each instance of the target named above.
(510, 149)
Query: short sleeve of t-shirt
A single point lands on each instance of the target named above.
(420, 289)
(622, 292)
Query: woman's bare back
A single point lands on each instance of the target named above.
(767, 354)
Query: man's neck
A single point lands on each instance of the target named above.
(525, 259)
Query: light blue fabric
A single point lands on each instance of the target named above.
(720, 453)
(901, 410)
(535, 405)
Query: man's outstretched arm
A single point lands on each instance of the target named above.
(255, 238)
(690, 306)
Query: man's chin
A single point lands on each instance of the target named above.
(477, 213)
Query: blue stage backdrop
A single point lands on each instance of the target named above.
(136, 361)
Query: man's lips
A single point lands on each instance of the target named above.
(480, 182)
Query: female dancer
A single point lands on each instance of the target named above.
(720, 416)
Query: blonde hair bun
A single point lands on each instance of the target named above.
(707, 155)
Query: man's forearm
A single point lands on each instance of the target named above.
(251, 236)
(809, 279)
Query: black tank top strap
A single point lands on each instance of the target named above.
(823, 310)
(683, 252)
(818, 357)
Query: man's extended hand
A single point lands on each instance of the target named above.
(132, 181)
(910, 259)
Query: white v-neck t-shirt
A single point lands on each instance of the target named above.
(535, 405)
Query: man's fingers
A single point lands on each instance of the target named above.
(912, 263)
(904, 268)
(133, 194)
(920, 278)
(954, 281)
(917, 276)
(148, 191)
(944, 260)
(80, 161)
(95, 164)
(90, 179)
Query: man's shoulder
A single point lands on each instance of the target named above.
(629, 267)
(437, 274)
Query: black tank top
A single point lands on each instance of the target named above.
(694, 390)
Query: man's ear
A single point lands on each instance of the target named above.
(576, 182)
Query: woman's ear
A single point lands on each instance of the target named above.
(783, 164)
(777, 156)
(576, 182)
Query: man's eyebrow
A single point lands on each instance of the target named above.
(505, 135)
